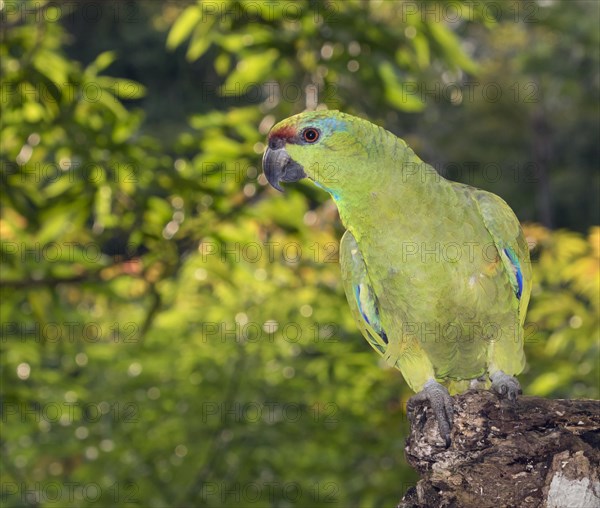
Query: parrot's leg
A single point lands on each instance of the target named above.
(441, 404)
(505, 385)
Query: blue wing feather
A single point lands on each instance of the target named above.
(361, 295)
(514, 261)
(373, 320)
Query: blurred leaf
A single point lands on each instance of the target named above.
(451, 46)
(201, 39)
(398, 94)
(251, 70)
(184, 25)
(102, 61)
(422, 50)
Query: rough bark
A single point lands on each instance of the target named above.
(531, 453)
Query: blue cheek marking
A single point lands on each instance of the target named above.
(519, 275)
(333, 194)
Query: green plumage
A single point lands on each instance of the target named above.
(436, 273)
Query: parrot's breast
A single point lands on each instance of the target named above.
(440, 283)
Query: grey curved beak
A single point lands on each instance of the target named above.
(278, 166)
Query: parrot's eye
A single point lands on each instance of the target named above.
(310, 135)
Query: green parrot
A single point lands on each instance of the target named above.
(436, 273)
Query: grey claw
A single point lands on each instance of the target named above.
(505, 386)
(441, 405)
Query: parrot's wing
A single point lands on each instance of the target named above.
(360, 293)
(508, 237)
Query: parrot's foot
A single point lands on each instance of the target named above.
(505, 385)
(441, 405)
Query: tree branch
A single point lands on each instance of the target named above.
(532, 453)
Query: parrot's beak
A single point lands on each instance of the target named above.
(278, 166)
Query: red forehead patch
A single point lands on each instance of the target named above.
(285, 132)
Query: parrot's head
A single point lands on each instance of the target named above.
(325, 146)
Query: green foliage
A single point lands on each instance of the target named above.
(175, 334)
(329, 52)
(564, 315)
